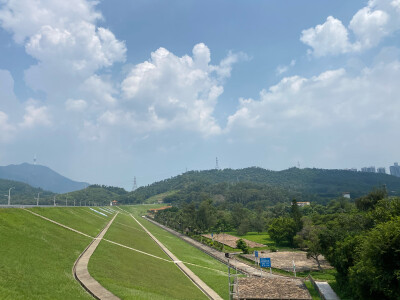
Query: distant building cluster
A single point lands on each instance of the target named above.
(369, 169)
(395, 170)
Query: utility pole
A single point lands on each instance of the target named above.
(9, 195)
(54, 200)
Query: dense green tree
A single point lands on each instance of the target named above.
(309, 240)
(244, 227)
(296, 215)
(241, 244)
(258, 221)
(206, 216)
(282, 230)
(376, 274)
(369, 201)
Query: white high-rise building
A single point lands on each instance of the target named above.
(395, 170)
(381, 170)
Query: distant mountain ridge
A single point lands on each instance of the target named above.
(307, 184)
(40, 177)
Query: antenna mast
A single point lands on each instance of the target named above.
(216, 164)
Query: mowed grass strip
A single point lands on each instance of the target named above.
(36, 258)
(133, 275)
(80, 218)
(218, 281)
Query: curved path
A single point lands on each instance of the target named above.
(81, 272)
(209, 292)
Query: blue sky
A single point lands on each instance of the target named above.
(103, 92)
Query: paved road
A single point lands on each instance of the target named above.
(209, 292)
(81, 272)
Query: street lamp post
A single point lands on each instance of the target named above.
(37, 199)
(9, 195)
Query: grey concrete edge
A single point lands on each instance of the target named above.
(77, 260)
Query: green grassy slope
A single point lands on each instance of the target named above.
(132, 275)
(36, 258)
(216, 278)
(79, 218)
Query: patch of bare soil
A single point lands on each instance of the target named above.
(284, 260)
(271, 288)
(230, 240)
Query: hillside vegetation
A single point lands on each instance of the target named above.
(22, 193)
(256, 186)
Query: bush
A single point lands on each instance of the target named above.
(240, 244)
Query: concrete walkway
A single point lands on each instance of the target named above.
(326, 291)
(240, 266)
(210, 293)
(81, 272)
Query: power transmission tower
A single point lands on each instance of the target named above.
(134, 184)
(216, 164)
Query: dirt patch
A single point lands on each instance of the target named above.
(271, 288)
(284, 260)
(230, 240)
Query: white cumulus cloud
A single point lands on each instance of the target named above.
(176, 92)
(370, 25)
(7, 130)
(75, 105)
(64, 38)
(35, 115)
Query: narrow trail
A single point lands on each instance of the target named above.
(210, 293)
(81, 271)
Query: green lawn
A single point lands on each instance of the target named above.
(132, 275)
(36, 258)
(262, 238)
(79, 218)
(217, 278)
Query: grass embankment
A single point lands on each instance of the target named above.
(80, 218)
(36, 258)
(132, 275)
(216, 278)
(159, 197)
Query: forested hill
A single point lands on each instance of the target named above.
(22, 193)
(265, 185)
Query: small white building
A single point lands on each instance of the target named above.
(346, 195)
